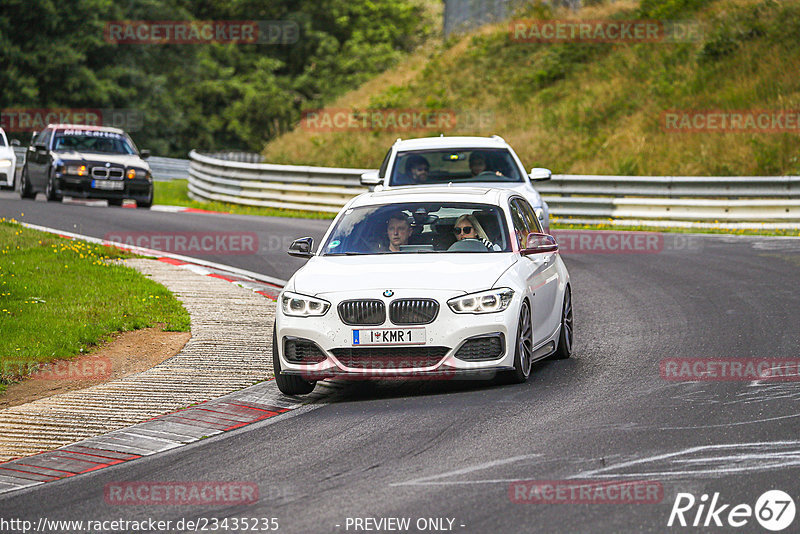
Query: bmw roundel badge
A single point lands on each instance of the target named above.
(388, 293)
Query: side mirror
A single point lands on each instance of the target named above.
(301, 248)
(539, 174)
(15, 142)
(539, 243)
(144, 154)
(40, 149)
(370, 178)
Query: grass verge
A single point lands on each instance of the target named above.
(175, 193)
(59, 297)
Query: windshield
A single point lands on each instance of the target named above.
(421, 227)
(92, 141)
(448, 165)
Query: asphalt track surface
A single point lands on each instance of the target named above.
(452, 449)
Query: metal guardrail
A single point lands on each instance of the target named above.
(169, 168)
(663, 198)
(277, 186)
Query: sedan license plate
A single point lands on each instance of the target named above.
(108, 184)
(389, 336)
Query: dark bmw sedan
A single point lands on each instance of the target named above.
(86, 162)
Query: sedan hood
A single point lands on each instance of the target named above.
(455, 272)
(120, 160)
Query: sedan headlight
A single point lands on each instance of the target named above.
(5, 163)
(493, 300)
(539, 213)
(302, 305)
(77, 170)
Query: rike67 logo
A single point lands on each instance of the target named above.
(774, 510)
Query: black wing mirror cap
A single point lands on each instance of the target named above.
(301, 248)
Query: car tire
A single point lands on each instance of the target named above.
(25, 189)
(50, 191)
(566, 338)
(288, 384)
(523, 354)
(115, 201)
(146, 203)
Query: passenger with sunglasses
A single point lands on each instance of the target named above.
(468, 227)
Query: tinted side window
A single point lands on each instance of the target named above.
(530, 216)
(521, 229)
(385, 164)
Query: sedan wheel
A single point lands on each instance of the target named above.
(288, 384)
(523, 357)
(25, 189)
(567, 336)
(50, 191)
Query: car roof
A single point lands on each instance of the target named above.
(85, 127)
(450, 142)
(483, 195)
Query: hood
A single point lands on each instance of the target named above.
(117, 160)
(455, 272)
(520, 187)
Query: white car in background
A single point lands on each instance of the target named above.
(8, 160)
(452, 160)
(440, 304)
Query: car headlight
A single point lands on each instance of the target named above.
(493, 300)
(78, 170)
(302, 305)
(539, 213)
(5, 163)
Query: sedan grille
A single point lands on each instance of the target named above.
(104, 172)
(390, 357)
(362, 312)
(413, 311)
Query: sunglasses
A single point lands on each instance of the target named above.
(465, 229)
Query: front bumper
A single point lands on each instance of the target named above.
(81, 186)
(442, 355)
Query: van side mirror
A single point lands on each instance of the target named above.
(370, 178)
(539, 174)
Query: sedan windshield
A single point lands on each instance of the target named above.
(420, 227)
(449, 165)
(92, 141)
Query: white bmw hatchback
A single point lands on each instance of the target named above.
(435, 281)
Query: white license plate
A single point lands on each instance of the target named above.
(108, 184)
(389, 336)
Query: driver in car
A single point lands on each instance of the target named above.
(468, 227)
(477, 164)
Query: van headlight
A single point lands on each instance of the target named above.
(297, 305)
(493, 300)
